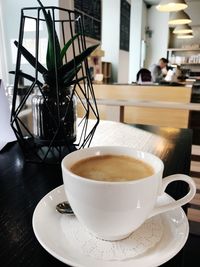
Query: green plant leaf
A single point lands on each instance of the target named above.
(76, 61)
(27, 76)
(67, 45)
(75, 81)
(52, 52)
(30, 58)
(49, 78)
(67, 78)
(70, 75)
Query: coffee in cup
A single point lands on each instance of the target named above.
(112, 168)
(112, 209)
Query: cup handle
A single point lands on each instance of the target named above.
(177, 203)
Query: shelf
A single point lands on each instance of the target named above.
(190, 63)
(184, 57)
(183, 49)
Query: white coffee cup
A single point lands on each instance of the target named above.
(113, 210)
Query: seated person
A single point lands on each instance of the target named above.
(158, 71)
(143, 76)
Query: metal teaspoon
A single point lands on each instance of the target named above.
(64, 208)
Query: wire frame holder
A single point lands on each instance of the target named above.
(52, 151)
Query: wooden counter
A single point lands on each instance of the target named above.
(145, 115)
(180, 94)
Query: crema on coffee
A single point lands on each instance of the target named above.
(112, 168)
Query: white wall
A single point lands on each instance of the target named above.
(11, 12)
(3, 61)
(136, 35)
(123, 67)
(128, 68)
(193, 11)
(157, 45)
(110, 34)
(143, 36)
(124, 64)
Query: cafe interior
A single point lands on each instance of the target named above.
(108, 98)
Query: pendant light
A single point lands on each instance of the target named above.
(182, 29)
(178, 18)
(171, 5)
(185, 36)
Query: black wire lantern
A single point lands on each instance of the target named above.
(49, 129)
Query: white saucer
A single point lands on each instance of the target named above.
(46, 226)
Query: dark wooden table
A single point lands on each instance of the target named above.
(22, 185)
